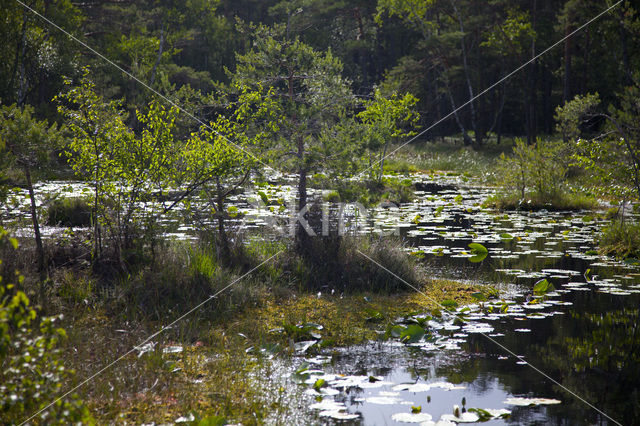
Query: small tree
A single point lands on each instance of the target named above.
(537, 169)
(98, 132)
(31, 370)
(30, 144)
(128, 173)
(315, 110)
(132, 174)
(222, 155)
(613, 156)
(386, 119)
(310, 92)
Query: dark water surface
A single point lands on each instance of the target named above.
(584, 335)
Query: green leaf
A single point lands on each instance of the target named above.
(478, 248)
(396, 331)
(319, 384)
(478, 258)
(232, 211)
(412, 334)
(506, 236)
(484, 415)
(542, 287)
(263, 197)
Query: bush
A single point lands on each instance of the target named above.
(31, 373)
(535, 178)
(69, 212)
(183, 277)
(532, 202)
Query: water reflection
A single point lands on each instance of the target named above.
(584, 335)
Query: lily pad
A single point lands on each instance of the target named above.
(478, 248)
(525, 402)
(542, 287)
(411, 417)
(412, 333)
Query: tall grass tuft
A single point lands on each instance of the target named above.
(621, 239)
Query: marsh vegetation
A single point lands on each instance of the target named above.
(319, 212)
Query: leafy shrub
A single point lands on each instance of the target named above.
(534, 177)
(31, 373)
(534, 168)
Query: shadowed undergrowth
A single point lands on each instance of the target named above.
(216, 372)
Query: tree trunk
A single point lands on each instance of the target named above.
(20, 48)
(465, 137)
(36, 226)
(302, 238)
(625, 48)
(222, 233)
(465, 65)
(384, 155)
(585, 65)
(566, 87)
(533, 77)
(160, 48)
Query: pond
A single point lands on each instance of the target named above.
(509, 363)
(506, 360)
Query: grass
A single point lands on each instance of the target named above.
(395, 189)
(450, 156)
(217, 375)
(562, 201)
(69, 212)
(621, 239)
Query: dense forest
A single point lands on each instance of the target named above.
(443, 52)
(259, 211)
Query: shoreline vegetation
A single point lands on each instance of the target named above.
(263, 315)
